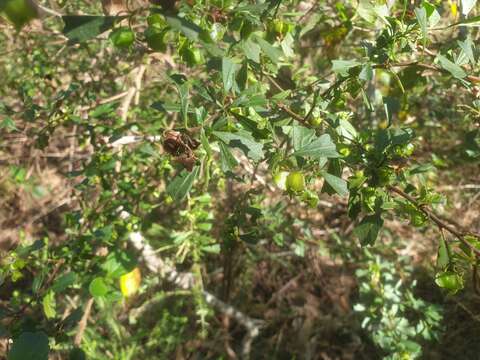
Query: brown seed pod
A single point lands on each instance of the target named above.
(173, 143)
(181, 146)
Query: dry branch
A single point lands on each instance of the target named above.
(187, 281)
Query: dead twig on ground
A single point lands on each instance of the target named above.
(187, 281)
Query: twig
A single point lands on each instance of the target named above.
(46, 11)
(458, 187)
(82, 325)
(292, 114)
(127, 100)
(105, 101)
(187, 281)
(436, 219)
(132, 139)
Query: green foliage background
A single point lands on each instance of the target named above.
(176, 125)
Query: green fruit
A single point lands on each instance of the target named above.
(278, 26)
(288, 28)
(450, 281)
(19, 12)
(191, 56)
(155, 39)
(344, 150)
(315, 121)
(122, 37)
(156, 21)
(405, 150)
(295, 182)
(409, 149)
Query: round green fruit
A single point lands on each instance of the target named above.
(450, 281)
(19, 12)
(277, 26)
(295, 182)
(156, 20)
(288, 28)
(315, 121)
(191, 56)
(404, 150)
(122, 37)
(344, 150)
(155, 39)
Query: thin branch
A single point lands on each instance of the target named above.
(46, 11)
(293, 114)
(132, 91)
(132, 139)
(187, 281)
(105, 101)
(437, 220)
(459, 187)
(82, 325)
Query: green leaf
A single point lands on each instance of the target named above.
(242, 76)
(391, 106)
(183, 91)
(451, 67)
(443, 258)
(118, 263)
(49, 305)
(102, 110)
(343, 66)
(205, 143)
(365, 10)
(322, 147)
(301, 136)
(244, 141)
(346, 129)
(181, 185)
(98, 287)
(64, 282)
(368, 229)
(30, 346)
(251, 50)
(272, 52)
(338, 184)
(8, 124)
(80, 28)
(227, 160)
(467, 49)
(228, 73)
(421, 15)
(38, 281)
(77, 354)
(187, 28)
(366, 74)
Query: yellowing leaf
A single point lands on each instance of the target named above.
(130, 282)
